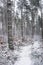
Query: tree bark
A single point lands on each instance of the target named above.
(9, 23)
(21, 25)
(32, 24)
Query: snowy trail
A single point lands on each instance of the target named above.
(24, 56)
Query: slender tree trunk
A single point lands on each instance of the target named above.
(9, 22)
(42, 21)
(32, 24)
(3, 21)
(21, 25)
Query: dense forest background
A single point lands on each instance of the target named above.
(21, 18)
(21, 32)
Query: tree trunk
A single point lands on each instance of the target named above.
(32, 24)
(9, 22)
(21, 25)
(42, 21)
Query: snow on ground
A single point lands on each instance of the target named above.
(24, 56)
(37, 53)
(30, 54)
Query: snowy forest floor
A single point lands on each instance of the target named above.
(29, 52)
